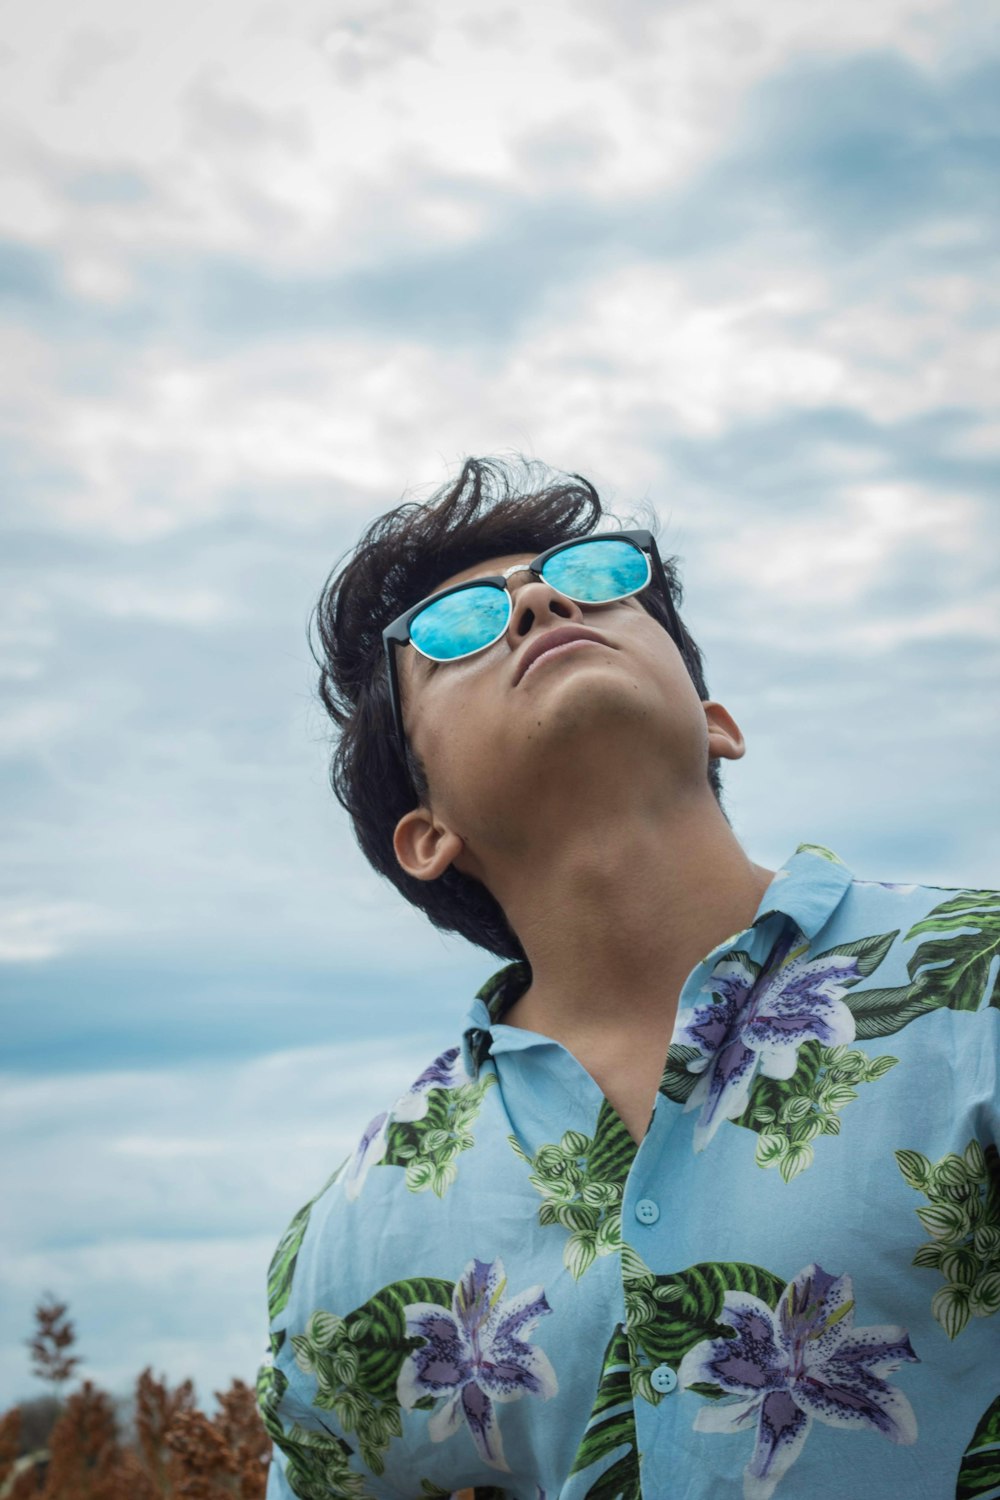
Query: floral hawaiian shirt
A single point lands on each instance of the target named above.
(791, 1287)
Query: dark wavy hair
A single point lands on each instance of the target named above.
(493, 508)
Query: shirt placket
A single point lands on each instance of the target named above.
(653, 1237)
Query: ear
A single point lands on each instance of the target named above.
(725, 738)
(423, 847)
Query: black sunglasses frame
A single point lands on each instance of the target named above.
(398, 633)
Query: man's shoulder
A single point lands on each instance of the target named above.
(422, 1135)
(424, 1129)
(915, 949)
(917, 901)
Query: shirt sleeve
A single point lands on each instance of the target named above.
(313, 1458)
(310, 1460)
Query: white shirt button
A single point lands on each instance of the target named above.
(646, 1211)
(663, 1379)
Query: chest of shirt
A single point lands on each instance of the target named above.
(630, 1258)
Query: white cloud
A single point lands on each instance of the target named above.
(817, 560)
(27, 635)
(281, 429)
(912, 348)
(702, 361)
(216, 105)
(127, 598)
(33, 931)
(269, 431)
(29, 727)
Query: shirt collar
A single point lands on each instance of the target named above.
(807, 890)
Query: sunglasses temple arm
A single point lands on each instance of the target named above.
(397, 715)
(675, 624)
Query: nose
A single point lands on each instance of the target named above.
(533, 599)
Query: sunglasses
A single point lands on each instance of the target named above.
(469, 617)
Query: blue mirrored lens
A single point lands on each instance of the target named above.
(597, 571)
(462, 622)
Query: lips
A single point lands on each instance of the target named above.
(552, 638)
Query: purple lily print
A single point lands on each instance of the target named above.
(445, 1072)
(476, 1356)
(757, 1022)
(803, 1360)
(369, 1150)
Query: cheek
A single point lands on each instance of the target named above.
(440, 733)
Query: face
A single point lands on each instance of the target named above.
(499, 747)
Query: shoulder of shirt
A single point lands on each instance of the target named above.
(916, 894)
(358, 1200)
(867, 906)
(448, 1071)
(924, 950)
(902, 887)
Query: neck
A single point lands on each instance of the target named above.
(615, 916)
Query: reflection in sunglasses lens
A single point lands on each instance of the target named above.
(461, 622)
(594, 572)
(591, 572)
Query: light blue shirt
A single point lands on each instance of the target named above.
(790, 1287)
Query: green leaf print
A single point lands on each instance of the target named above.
(677, 1081)
(613, 1150)
(505, 986)
(820, 850)
(769, 1096)
(867, 952)
(791, 1113)
(979, 1474)
(882, 1012)
(318, 1468)
(620, 1482)
(272, 1384)
(581, 1180)
(379, 1331)
(316, 1464)
(950, 972)
(611, 1426)
(282, 1267)
(955, 970)
(668, 1315)
(356, 1361)
(962, 1216)
(427, 1148)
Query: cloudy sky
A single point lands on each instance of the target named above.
(264, 272)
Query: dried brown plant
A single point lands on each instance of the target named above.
(179, 1453)
(157, 1407)
(201, 1465)
(54, 1336)
(84, 1449)
(26, 1486)
(238, 1419)
(10, 1443)
(130, 1479)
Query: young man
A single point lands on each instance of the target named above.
(705, 1200)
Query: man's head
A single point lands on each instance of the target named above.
(480, 736)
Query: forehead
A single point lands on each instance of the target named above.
(488, 565)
